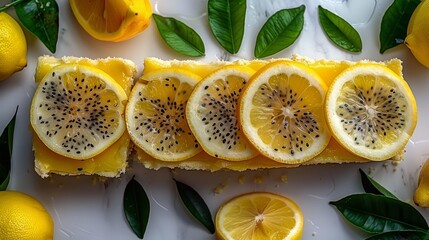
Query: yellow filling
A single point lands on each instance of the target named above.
(112, 161)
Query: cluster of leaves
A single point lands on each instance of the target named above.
(6, 147)
(379, 212)
(227, 20)
(40, 17)
(137, 207)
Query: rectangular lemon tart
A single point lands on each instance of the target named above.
(268, 113)
(109, 161)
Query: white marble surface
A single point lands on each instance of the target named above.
(85, 209)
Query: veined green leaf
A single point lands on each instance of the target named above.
(41, 18)
(136, 207)
(179, 36)
(401, 235)
(6, 148)
(378, 213)
(371, 186)
(226, 20)
(280, 31)
(196, 205)
(394, 24)
(339, 31)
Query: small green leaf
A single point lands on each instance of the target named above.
(136, 207)
(226, 20)
(196, 205)
(41, 18)
(401, 235)
(371, 186)
(179, 36)
(339, 31)
(394, 24)
(280, 31)
(378, 213)
(6, 148)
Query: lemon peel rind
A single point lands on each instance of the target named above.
(198, 127)
(262, 76)
(387, 152)
(89, 71)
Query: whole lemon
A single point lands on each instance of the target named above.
(23, 217)
(421, 195)
(13, 47)
(417, 39)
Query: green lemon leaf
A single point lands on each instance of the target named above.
(401, 235)
(339, 31)
(136, 207)
(40, 18)
(196, 205)
(6, 148)
(179, 36)
(378, 213)
(371, 186)
(226, 20)
(394, 24)
(280, 31)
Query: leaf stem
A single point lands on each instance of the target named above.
(11, 4)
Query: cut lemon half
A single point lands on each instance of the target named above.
(112, 20)
(77, 111)
(371, 111)
(259, 216)
(155, 115)
(282, 112)
(212, 116)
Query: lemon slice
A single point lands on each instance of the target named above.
(114, 21)
(259, 216)
(155, 115)
(282, 112)
(371, 111)
(77, 111)
(212, 116)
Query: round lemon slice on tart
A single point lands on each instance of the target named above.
(282, 112)
(155, 114)
(212, 116)
(259, 216)
(371, 111)
(77, 111)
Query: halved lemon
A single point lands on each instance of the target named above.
(259, 216)
(77, 111)
(112, 20)
(282, 112)
(371, 111)
(155, 115)
(212, 116)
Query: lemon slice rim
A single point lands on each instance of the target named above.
(198, 128)
(295, 232)
(185, 76)
(262, 76)
(343, 139)
(109, 81)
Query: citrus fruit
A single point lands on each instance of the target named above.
(417, 39)
(371, 111)
(259, 216)
(282, 112)
(112, 20)
(13, 47)
(23, 217)
(155, 115)
(77, 111)
(212, 116)
(421, 194)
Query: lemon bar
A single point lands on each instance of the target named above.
(112, 161)
(328, 70)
